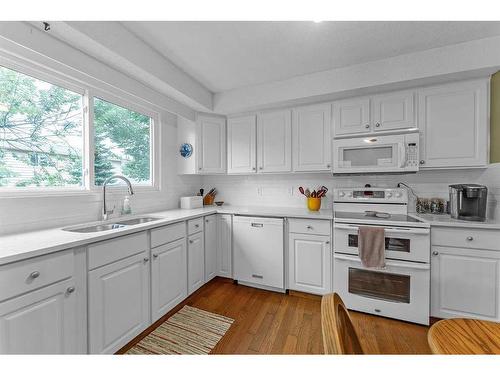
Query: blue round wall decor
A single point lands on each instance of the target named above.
(186, 150)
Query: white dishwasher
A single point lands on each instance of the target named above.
(258, 251)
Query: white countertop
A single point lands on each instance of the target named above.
(25, 245)
(447, 221)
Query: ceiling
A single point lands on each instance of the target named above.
(228, 55)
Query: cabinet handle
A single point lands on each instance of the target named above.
(309, 227)
(367, 126)
(257, 225)
(155, 256)
(70, 289)
(146, 259)
(190, 241)
(377, 124)
(199, 168)
(261, 168)
(258, 276)
(197, 225)
(422, 162)
(328, 165)
(34, 274)
(253, 169)
(327, 242)
(435, 253)
(470, 238)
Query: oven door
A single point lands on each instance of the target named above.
(399, 291)
(401, 243)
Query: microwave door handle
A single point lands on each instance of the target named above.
(402, 155)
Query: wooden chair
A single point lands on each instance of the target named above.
(339, 335)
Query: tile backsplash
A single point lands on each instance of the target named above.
(282, 190)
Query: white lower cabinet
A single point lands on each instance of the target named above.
(210, 247)
(309, 263)
(224, 246)
(465, 283)
(41, 322)
(118, 303)
(196, 262)
(168, 277)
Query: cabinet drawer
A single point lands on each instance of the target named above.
(113, 250)
(321, 227)
(24, 276)
(169, 233)
(465, 237)
(195, 225)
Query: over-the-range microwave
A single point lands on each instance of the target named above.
(395, 153)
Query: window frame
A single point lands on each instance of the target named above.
(88, 92)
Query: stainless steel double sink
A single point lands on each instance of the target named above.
(110, 226)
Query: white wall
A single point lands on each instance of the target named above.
(282, 190)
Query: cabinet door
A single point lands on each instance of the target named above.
(210, 247)
(211, 133)
(453, 121)
(394, 111)
(312, 138)
(196, 262)
(351, 116)
(309, 263)
(224, 246)
(274, 142)
(168, 277)
(41, 322)
(118, 303)
(241, 145)
(465, 283)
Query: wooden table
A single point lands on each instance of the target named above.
(464, 336)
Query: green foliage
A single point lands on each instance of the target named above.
(36, 117)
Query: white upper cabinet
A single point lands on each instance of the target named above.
(274, 141)
(241, 145)
(311, 138)
(211, 134)
(351, 116)
(394, 110)
(453, 122)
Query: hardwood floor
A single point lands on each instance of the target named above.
(275, 323)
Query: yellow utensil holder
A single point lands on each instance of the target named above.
(314, 204)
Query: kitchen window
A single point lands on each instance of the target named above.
(44, 123)
(122, 143)
(41, 142)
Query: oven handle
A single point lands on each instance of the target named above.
(390, 263)
(387, 229)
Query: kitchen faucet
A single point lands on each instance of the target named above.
(105, 211)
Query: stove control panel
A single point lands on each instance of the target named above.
(387, 195)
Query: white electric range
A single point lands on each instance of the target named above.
(400, 290)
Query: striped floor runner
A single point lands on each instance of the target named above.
(189, 331)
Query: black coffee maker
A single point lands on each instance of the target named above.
(468, 202)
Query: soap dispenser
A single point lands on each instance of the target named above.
(126, 209)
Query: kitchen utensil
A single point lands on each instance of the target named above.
(307, 193)
(201, 192)
(301, 189)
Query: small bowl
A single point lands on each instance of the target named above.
(219, 203)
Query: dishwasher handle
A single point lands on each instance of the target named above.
(257, 225)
